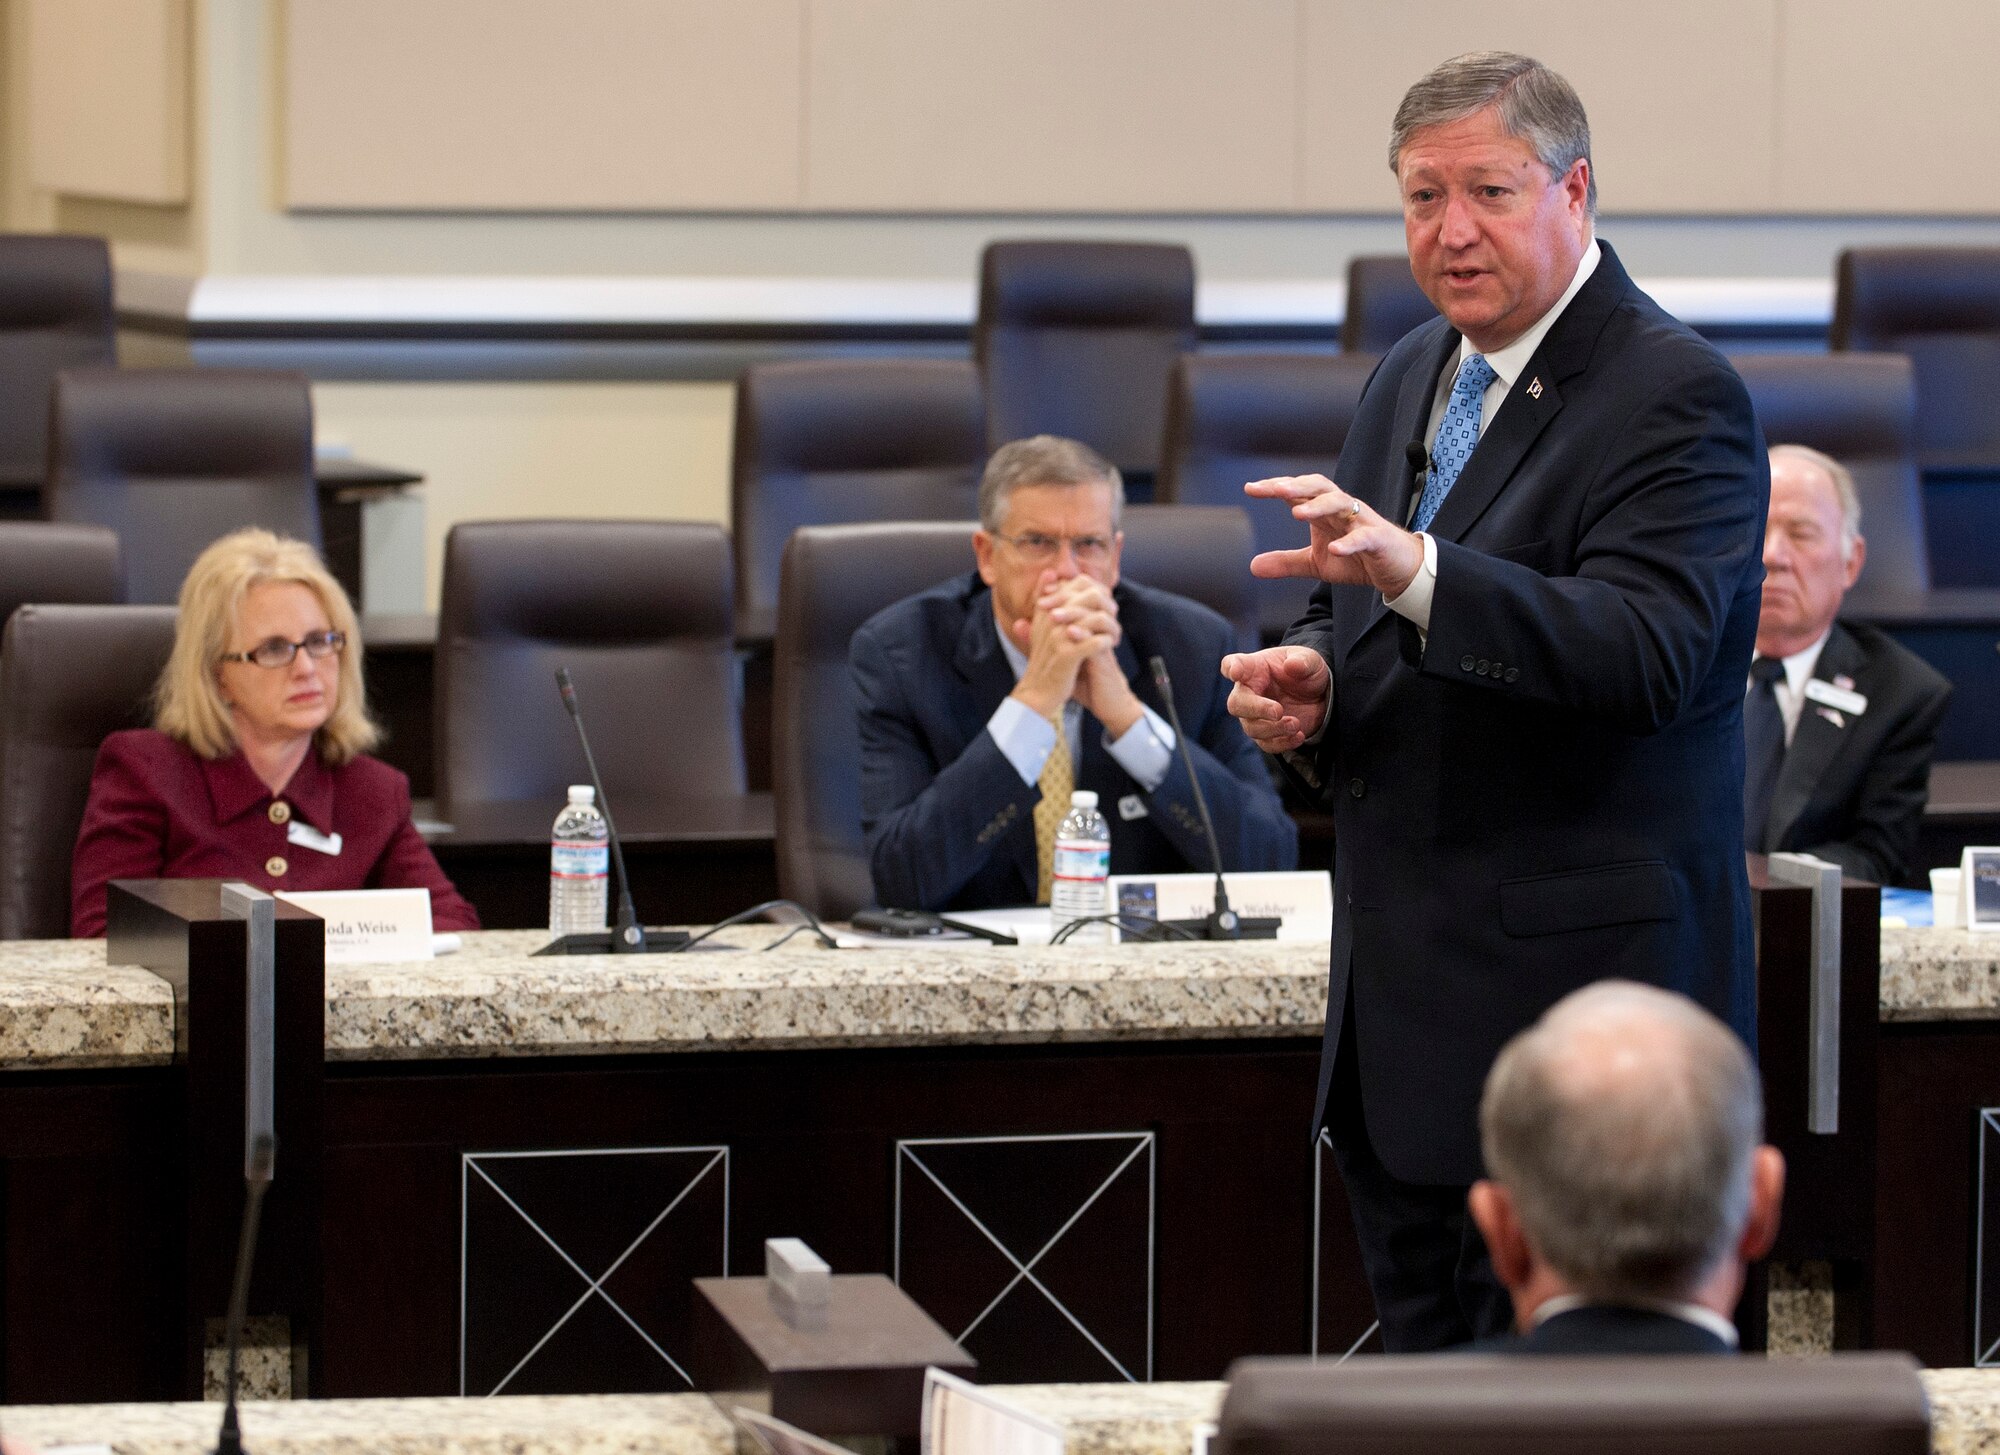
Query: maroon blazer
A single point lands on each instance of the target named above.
(159, 811)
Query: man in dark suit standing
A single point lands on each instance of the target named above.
(1630, 1185)
(985, 701)
(1519, 686)
(1841, 719)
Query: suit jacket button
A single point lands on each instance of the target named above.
(1356, 787)
(1512, 673)
(1484, 667)
(1465, 663)
(275, 866)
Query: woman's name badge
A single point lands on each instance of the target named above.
(308, 837)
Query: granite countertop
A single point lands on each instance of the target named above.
(1931, 974)
(62, 1006)
(604, 1424)
(1097, 1419)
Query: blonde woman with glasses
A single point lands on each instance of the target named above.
(256, 767)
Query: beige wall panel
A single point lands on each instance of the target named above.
(1053, 105)
(1680, 95)
(108, 98)
(1889, 108)
(499, 451)
(542, 104)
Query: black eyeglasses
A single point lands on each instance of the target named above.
(277, 652)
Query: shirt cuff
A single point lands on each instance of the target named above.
(1025, 738)
(1146, 751)
(1414, 604)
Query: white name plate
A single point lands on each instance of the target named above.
(371, 925)
(1979, 888)
(1301, 900)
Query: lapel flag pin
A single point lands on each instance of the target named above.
(1535, 387)
(1832, 715)
(1844, 682)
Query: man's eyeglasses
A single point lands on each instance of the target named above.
(277, 652)
(1034, 546)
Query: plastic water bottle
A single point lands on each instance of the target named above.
(1080, 886)
(579, 866)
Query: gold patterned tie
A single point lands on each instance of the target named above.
(1057, 779)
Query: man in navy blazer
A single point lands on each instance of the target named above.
(1519, 687)
(1630, 1183)
(976, 696)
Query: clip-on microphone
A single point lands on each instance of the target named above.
(626, 936)
(1222, 922)
(256, 1178)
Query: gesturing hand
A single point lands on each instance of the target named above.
(1279, 696)
(1350, 543)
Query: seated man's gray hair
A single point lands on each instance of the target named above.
(1624, 1123)
(1044, 459)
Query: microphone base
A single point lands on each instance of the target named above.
(605, 942)
(1210, 927)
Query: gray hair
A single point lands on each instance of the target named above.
(1843, 487)
(1535, 104)
(1044, 459)
(1623, 1123)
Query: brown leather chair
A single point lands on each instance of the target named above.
(55, 313)
(69, 677)
(1444, 1404)
(1198, 551)
(53, 563)
(1232, 418)
(638, 611)
(1860, 409)
(828, 442)
(171, 459)
(1077, 338)
(1383, 303)
(835, 577)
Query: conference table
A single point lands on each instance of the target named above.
(500, 1172)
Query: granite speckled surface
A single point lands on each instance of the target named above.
(490, 999)
(62, 1006)
(1123, 1419)
(1965, 1410)
(1931, 974)
(665, 1424)
(1798, 1310)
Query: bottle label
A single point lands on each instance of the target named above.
(1082, 859)
(579, 861)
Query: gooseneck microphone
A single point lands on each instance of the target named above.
(256, 1178)
(1222, 922)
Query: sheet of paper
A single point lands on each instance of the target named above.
(1300, 899)
(963, 1419)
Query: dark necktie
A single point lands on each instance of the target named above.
(1763, 748)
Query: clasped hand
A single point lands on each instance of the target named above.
(1069, 642)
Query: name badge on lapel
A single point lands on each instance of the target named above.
(308, 837)
(1841, 699)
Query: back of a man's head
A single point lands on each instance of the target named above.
(1623, 1124)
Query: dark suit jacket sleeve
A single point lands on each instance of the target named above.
(408, 863)
(1889, 808)
(1251, 825)
(123, 835)
(1668, 528)
(929, 827)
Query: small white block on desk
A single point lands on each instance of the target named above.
(797, 1273)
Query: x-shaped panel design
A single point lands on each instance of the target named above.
(676, 1175)
(1130, 1154)
(1343, 1343)
(1985, 1268)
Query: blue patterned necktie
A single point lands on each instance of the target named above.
(1457, 434)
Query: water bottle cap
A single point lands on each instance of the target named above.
(1083, 798)
(582, 793)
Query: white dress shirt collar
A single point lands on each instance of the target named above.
(1791, 693)
(1507, 363)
